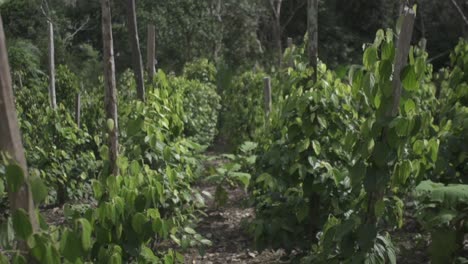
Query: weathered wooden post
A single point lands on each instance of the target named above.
(290, 47)
(151, 49)
(399, 63)
(312, 32)
(267, 96)
(51, 59)
(10, 138)
(78, 109)
(110, 100)
(136, 53)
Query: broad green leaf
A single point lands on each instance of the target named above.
(97, 189)
(15, 177)
(316, 146)
(138, 222)
(70, 245)
(370, 57)
(110, 125)
(86, 230)
(38, 189)
(410, 106)
(148, 254)
(21, 224)
(409, 79)
(134, 168)
(189, 230)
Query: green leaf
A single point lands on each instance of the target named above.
(38, 189)
(86, 230)
(134, 168)
(206, 242)
(70, 245)
(138, 222)
(409, 79)
(370, 57)
(19, 259)
(316, 147)
(189, 230)
(148, 254)
(410, 106)
(244, 178)
(21, 224)
(110, 124)
(135, 126)
(97, 189)
(15, 177)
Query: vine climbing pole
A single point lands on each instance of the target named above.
(110, 87)
(10, 139)
(400, 61)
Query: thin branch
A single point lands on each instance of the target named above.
(460, 11)
(293, 14)
(71, 36)
(44, 12)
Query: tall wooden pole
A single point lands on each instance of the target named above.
(151, 49)
(400, 61)
(312, 30)
(267, 96)
(136, 53)
(110, 87)
(78, 109)
(51, 59)
(10, 137)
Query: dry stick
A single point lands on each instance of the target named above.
(110, 87)
(460, 11)
(151, 46)
(10, 137)
(136, 53)
(52, 97)
(267, 97)
(312, 30)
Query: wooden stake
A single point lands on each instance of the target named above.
(136, 53)
(110, 87)
(10, 137)
(267, 96)
(51, 58)
(151, 47)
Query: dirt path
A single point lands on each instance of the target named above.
(225, 228)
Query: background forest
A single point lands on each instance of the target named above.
(233, 131)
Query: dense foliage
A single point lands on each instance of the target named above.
(333, 171)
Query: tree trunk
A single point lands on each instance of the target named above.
(151, 47)
(136, 53)
(110, 87)
(53, 100)
(10, 138)
(312, 30)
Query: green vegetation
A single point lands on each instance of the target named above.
(340, 166)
